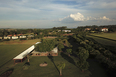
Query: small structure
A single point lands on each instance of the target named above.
(87, 29)
(7, 37)
(66, 30)
(104, 29)
(59, 30)
(21, 57)
(14, 37)
(22, 37)
(54, 52)
(0, 37)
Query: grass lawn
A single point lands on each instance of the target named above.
(35, 70)
(10, 49)
(106, 35)
(70, 70)
(31, 42)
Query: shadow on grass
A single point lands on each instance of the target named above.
(96, 69)
(68, 58)
(27, 63)
(7, 73)
(51, 58)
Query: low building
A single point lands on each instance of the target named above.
(15, 37)
(0, 37)
(22, 36)
(59, 30)
(21, 57)
(54, 52)
(104, 29)
(66, 30)
(7, 37)
(87, 29)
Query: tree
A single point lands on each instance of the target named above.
(28, 57)
(82, 53)
(69, 51)
(60, 67)
(46, 45)
(60, 46)
(83, 65)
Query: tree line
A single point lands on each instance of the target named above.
(104, 56)
(111, 28)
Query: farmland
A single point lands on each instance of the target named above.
(106, 35)
(106, 39)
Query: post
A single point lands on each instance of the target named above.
(14, 61)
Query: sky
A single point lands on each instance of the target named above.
(56, 13)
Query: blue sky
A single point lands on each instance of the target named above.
(54, 13)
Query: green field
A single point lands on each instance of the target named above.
(35, 70)
(104, 41)
(108, 43)
(70, 69)
(106, 35)
(11, 49)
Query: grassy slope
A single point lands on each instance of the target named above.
(107, 35)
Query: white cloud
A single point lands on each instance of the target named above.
(76, 17)
(104, 18)
(79, 17)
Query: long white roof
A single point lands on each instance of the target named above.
(26, 52)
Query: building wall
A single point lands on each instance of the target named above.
(6, 37)
(104, 29)
(44, 54)
(14, 37)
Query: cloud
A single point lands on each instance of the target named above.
(77, 17)
(104, 18)
(80, 17)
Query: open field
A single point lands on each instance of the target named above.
(109, 44)
(104, 41)
(31, 42)
(10, 49)
(34, 70)
(70, 69)
(106, 35)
